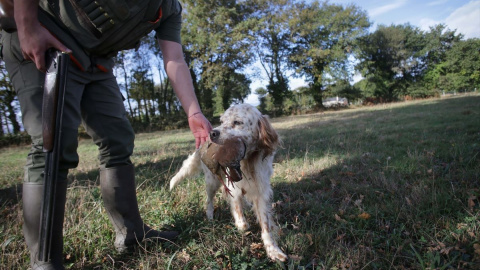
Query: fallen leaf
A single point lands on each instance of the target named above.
(364, 215)
(408, 201)
(340, 237)
(347, 173)
(295, 257)
(446, 250)
(256, 249)
(338, 218)
(358, 203)
(309, 236)
(476, 247)
(471, 202)
(184, 256)
(333, 183)
(256, 245)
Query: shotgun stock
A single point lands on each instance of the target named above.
(7, 21)
(52, 115)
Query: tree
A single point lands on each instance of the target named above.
(216, 36)
(323, 37)
(389, 59)
(167, 102)
(8, 103)
(121, 62)
(342, 88)
(262, 98)
(438, 41)
(273, 47)
(142, 85)
(232, 91)
(462, 66)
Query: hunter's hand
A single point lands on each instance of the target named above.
(200, 127)
(35, 41)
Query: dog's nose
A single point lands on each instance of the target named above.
(214, 134)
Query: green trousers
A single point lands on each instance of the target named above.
(92, 99)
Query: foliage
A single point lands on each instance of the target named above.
(216, 38)
(298, 102)
(12, 139)
(438, 42)
(389, 59)
(462, 66)
(273, 48)
(8, 104)
(323, 37)
(227, 43)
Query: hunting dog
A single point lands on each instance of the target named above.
(261, 141)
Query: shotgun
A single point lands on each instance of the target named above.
(7, 22)
(52, 114)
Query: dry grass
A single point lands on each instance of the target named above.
(384, 187)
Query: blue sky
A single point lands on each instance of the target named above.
(461, 15)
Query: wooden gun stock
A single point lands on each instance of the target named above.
(7, 21)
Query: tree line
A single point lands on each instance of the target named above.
(228, 43)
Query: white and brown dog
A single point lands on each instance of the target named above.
(261, 140)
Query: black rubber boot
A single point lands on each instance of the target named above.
(119, 196)
(32, 203)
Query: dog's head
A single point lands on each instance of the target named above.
(246, 121)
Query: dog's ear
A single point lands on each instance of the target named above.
(268, 137)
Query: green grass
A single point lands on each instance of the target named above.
(384, 187)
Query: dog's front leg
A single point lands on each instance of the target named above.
(236, 207)
(212, 185)
(262, 209)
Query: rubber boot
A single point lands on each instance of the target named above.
(119, 196)
(32, 203)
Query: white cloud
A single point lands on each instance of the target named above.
(252, 99)
(466, 20)
(386, 8)
(437, 3)
(425, 23)
(296, 82)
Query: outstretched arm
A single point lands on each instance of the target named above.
(34, 38)
(179, 76)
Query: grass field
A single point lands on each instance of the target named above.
(384, 187)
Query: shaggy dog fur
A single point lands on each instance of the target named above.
(246, 122)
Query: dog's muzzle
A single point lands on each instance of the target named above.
(214, 135)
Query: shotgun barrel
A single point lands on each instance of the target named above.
(52, 116)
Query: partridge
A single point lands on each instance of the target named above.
(224, 157)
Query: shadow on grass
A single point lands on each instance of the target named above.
(11, 195)
(399, 183)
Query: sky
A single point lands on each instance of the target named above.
(460, 15)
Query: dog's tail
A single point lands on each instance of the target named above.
(190, 167)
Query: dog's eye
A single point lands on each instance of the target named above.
(237, 123)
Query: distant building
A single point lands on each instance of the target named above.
(335, 102)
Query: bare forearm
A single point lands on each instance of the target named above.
(34, 38)
(179, 76)
(25, 13)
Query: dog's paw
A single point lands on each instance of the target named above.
(242, 225)
(210, 213)
(275, 253)
(173, 182)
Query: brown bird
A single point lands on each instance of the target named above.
(224, 157)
